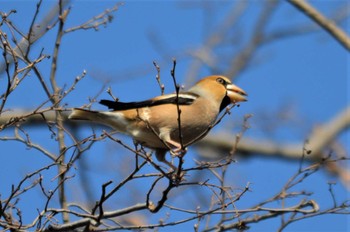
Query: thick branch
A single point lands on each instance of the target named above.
(318, 140)
(325, 134)
(326, 24)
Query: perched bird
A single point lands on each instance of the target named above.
(154, 122)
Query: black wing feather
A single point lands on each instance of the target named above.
(116, 105)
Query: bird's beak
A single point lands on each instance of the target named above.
(235, 93)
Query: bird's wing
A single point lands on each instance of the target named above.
(184, 98)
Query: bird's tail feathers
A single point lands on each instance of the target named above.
(111, 119)
(83, 114)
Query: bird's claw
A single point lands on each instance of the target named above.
(179, 152)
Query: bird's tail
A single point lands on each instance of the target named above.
(112, 119)
(82, 114)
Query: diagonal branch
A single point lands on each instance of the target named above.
(325, 23)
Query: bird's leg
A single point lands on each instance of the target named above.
(175, 148)
(178, 150)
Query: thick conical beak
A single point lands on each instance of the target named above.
(235, 93)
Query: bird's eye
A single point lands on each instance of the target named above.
(221, 81)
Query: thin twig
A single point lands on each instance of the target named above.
(161, 86)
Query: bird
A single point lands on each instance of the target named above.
(170, 122)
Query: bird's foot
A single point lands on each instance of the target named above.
(179, 152)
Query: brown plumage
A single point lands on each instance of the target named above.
(154, 122)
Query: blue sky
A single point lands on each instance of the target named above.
(305, 75)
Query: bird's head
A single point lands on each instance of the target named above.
(220, 89)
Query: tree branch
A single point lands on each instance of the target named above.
(321, 20)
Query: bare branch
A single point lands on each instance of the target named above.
(161, 86)
(97, 21)
(36, 32)
(321, 20)
(318, 140)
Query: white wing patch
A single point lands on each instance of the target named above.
(186, 95)
(145, 114)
